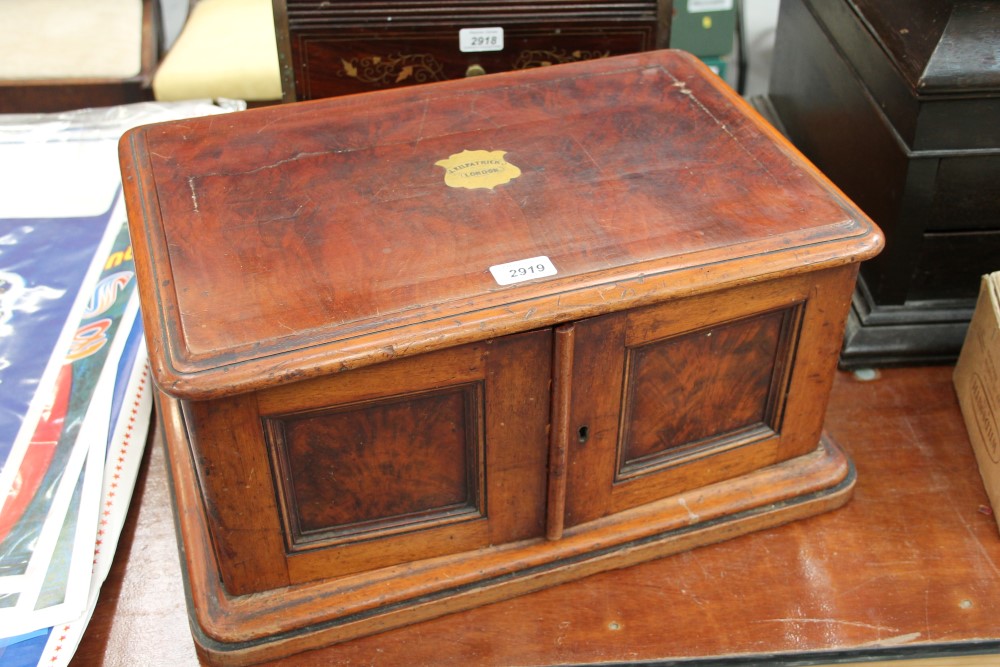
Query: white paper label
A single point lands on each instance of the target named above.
(471, 40)
(523, 269)
(697, 6)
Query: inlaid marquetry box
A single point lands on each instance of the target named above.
(358, 46)
(423, 350)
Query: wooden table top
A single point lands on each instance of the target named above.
(909, 568)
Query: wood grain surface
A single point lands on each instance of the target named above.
(302, 240)
(908, 569)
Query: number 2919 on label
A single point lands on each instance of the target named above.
(523, 269)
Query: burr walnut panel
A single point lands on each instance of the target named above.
(734, 370)
(752, 380)
(379, 467)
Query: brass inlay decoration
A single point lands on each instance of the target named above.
(542, 58)
(394, 69)
(477, 169)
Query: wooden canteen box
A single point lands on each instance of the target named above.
(422, 350)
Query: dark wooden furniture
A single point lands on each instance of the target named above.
(370, 425)
(65, 94)
(898, 102)
(336, 48)
(907, 569)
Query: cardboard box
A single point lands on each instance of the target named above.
(977, 381)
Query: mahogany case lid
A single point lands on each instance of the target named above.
(291, 241)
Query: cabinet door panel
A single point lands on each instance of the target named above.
(676, 396)
(381, 466)
(731, 374)
(410, 459)
(435, 465)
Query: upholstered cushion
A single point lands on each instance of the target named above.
(70, 39)
(228, 49)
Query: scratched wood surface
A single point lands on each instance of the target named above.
(909, 568)
(296, 241)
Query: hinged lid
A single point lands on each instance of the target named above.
(290, 241)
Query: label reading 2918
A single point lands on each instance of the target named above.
(523, 269)
(471, 40)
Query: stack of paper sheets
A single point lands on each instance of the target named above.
(75, 395)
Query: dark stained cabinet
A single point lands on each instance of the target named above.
(338, 48)
(409, 364)
(899, 103)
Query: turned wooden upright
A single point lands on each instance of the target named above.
(426, 349)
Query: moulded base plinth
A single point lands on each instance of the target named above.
(241, 630)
